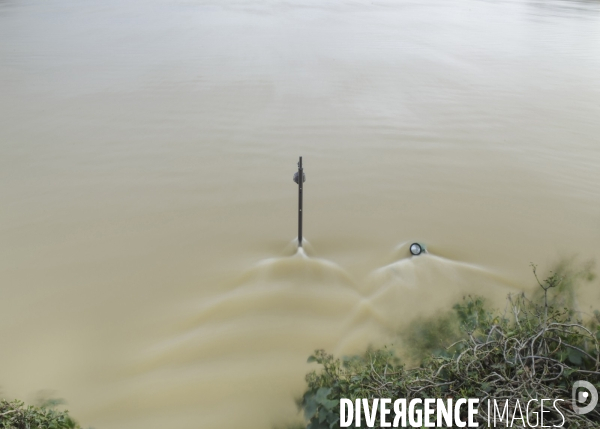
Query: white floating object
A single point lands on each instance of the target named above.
(416, 249)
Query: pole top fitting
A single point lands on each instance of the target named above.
(296, 177)
(297, 173)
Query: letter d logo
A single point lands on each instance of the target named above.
(582, 397)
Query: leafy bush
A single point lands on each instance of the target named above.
(533, 349)
(14, 415)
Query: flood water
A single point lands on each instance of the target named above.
(148, 272)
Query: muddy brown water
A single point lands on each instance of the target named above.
(147, 268)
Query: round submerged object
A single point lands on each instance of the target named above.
(416, 249)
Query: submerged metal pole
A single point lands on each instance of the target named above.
(299, 178)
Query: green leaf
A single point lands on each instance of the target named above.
(322, 394)
(321, 398)
(575, 357)
(310, 406)
(486, 387)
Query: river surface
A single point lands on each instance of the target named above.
(148, 271)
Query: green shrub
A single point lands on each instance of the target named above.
(532, 349)
(15, 415)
